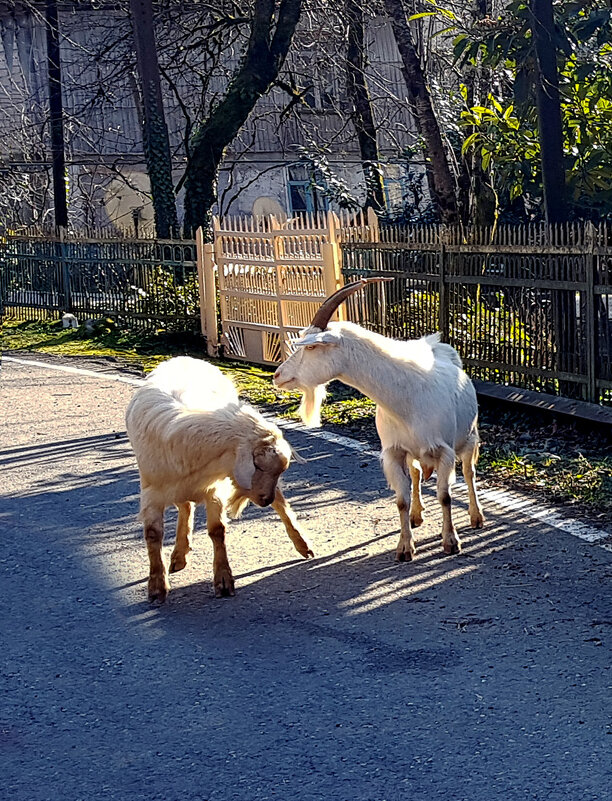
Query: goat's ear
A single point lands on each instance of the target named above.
(321, 338)
(244, 467)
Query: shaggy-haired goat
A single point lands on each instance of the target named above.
(426, 410)
(195, 442)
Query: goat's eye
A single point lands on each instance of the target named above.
(310, 347)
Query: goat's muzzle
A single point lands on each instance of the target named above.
(265, 500)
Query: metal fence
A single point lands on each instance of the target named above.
(144, 284)
(529, 306)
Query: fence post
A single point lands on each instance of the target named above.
(443, 322)
(591, 316)
(60, 251)
(332, 267)
(373, 225)
(278, 252)
(208, 292)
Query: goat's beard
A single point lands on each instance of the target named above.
(310, 407)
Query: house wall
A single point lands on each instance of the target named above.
(107, 179)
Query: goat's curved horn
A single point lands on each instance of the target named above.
(329, 306)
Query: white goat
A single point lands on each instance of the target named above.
(195, 442)
(426, 409)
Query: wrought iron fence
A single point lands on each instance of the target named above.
(143, 284)
(528, 306)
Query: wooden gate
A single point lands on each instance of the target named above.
(271, 277)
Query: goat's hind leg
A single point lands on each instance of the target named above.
(152, 516)
(285, 512)
(394, 466)
(469, 457)
(416, 500)
(184, 530)
(445, 469)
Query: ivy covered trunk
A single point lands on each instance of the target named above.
(477, 197)
(266, 52)
(155, 131)
(421, 106)
(362, 116)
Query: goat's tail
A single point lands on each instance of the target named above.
(443, 350)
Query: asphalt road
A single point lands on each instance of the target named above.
(344, 678)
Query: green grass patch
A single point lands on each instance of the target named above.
(557, 459)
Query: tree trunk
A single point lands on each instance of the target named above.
(422, 109)
(265, 55)
(553, 178)
(56, 116)
(362, 116)
(155, 131)
(549, 111)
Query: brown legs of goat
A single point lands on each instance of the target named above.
(152, 515)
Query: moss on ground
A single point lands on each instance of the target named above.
(560, 461)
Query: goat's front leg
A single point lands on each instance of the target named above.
(394, 466)
(416, 500)
(223, 579)
(445, 469)
(286, 514)
(184, 530)
(152, 516)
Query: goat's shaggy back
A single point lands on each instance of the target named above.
(195, 384)
(189, 430)
(195, 442)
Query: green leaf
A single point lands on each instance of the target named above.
(459, 44)
(469, 142)
(443, 31)
(516, 190)
(422, 14)
(496, 104)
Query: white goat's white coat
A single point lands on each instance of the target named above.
(195, 442)
(426, 410)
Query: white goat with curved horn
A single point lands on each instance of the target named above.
(426, 409)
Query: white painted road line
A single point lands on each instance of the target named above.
(78, 370)
(505, 499)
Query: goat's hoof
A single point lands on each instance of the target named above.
(416, 519)
(158, 590)
(178, 562)
(452, 548)
(224, 586)
(405, 554)
(304, 549)
(477, 520)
